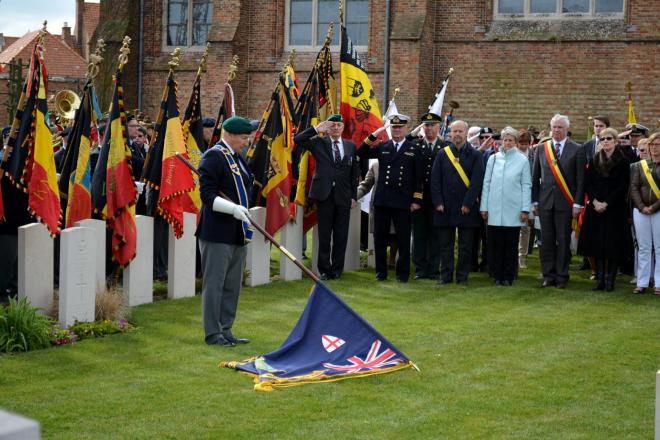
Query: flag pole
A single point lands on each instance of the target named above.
(259, 228)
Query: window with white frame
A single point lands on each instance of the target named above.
(187, 22)
(558, 8)
(307, 22)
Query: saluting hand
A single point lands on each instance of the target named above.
(379, 131)
(417, 129)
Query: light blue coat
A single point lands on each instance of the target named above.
(507, 188)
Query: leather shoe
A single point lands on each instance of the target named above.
(548, 283)
(221, 340)
(443, 282)
(402, 280)
(229, 336)
(380, 277)
(420, 276)
(561, 285)
(324, 276)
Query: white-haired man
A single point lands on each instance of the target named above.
(557, 193)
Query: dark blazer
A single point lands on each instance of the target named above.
(60, 155)
(215, 175)
(427, 154)
(589, 148)
(344, 177)
(448, 189)
(545, 190)
(397, 175)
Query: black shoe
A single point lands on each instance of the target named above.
(401, 280)
(506, 283)
(221, 340)
(325, 276)
(599, 286)
(548, 283)
(461, 282)
(442, 282)
(420, 276)
(380, 277)
(561, 284)
(229, 336)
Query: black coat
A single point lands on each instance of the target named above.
(344, 176)
(427, 154)
(448, 189)
(16, 208)
(397, 175)
(605, 235)
(215, 176)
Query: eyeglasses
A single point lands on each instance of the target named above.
(607, 138)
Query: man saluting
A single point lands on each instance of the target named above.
(223, 230)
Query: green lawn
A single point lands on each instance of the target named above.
(495, 362)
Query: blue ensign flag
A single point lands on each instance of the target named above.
(329, 342)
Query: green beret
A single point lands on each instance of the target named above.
(237, 125)
(336, 118)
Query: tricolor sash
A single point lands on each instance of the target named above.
(556, 172)
(649, 178)
(240, 188)
(457, 165)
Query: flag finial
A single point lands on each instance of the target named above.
(328, 36)
(202, 62)
(233, 68)
(95, 59)
(124, 51)
(175, 60)
(42, 33)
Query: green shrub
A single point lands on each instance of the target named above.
(95, 329)
(22, 327)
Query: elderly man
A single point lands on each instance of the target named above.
(223, 230)
(557, 195)
(334, 187)
(456, 181)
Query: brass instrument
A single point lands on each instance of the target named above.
(66, 104)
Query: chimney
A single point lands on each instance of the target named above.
(2, 42)
(66, 34)
(81, 38)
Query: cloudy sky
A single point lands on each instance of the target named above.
(20, 16)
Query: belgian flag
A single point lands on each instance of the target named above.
(269, 159)
(75, 179)
(113, 189)
(316, 103)
(359, 106)
(193, 135)
(162, 170)
(29, 161)
(226, 111)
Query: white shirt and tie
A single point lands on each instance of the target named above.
(337, 145)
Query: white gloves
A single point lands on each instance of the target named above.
(225, 206)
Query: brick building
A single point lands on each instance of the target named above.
(516, 61)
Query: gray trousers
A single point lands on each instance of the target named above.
(223, 266)
(556, 244)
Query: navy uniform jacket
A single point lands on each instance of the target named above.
(343, 176)
(427, 154)
(397, 175)
(448, 189)
(215, 175)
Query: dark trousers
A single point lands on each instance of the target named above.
(503, 252)
(161, 234)
(8, 264)
(480, 247)
(426, 243)
(556, 244)
(383, 218)
(333, 221)
(447, 240)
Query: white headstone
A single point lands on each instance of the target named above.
(138, 275)
(181, 260)
(258, 252)
(657, 405)
(292, 235)
(15, 427)
(35, 256)
(77, 276)
(352, 259)
(371, 251)
(99, 259)
(315, 249)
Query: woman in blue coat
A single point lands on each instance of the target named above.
(505, 205)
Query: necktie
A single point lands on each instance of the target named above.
(335, 149)
(558, 150)
(397, 145)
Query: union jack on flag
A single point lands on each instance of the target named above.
(374, 360)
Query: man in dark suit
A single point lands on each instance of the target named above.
(60, 155)
(426, 240)
(456, 180)
(334, 187)
(600, 123)
(399, 168)
(223, 230)
(557, 204)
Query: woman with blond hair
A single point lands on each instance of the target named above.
(645, 195)
(606, 217)
(505, 204)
